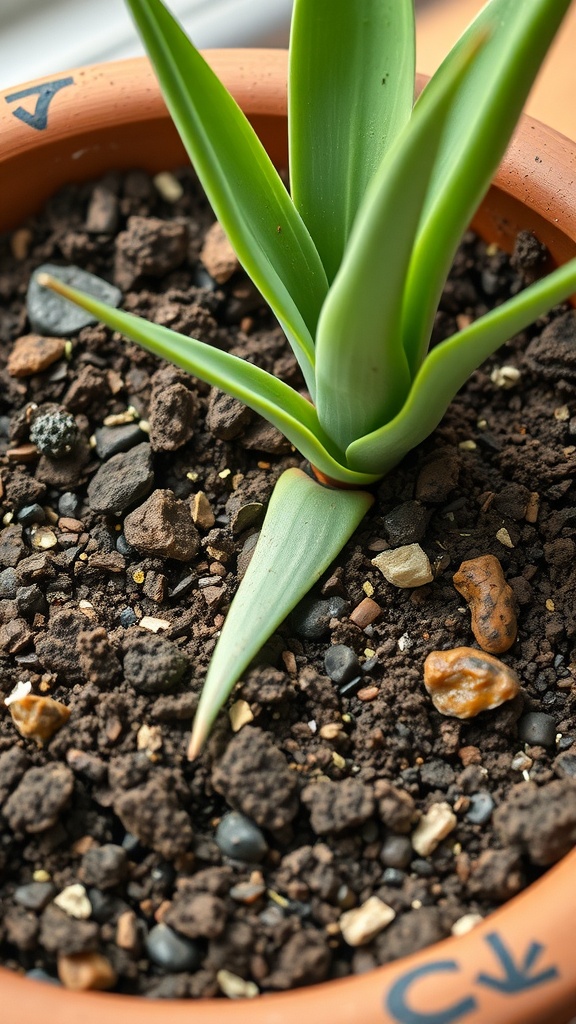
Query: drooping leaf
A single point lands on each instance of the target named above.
(243, 187)
(306, 526)
(293, 414)
(351, 90)
(448, 366)
(362, 374)
(473, 143)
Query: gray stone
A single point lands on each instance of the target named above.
(104, 866)
(481, 807)
(240, 838)
(121, 481)
(341, 664)
(112, 440)
(538, 729)
(170, 951)
(35, 895)
(406, 524)
(48, 313)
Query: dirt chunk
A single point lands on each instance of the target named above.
(150, 247)
(197, 915)
(552, 355)
(336, 806)
(61, 934)
(497, 875)
(254, 778)
(13, 764)
(153, 813)
(412, 931)
(304, 960)
(173, 411)
(153, 664)
(542, 822)
(163, 526)
(395, 807)
(39, 799)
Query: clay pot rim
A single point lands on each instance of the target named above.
(111, 97)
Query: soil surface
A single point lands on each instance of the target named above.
(131, 497)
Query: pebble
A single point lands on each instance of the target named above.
(68, 504)
(565, 764)
(121, 481)
(406, 566)
(128, 617)
(537, 729)
(341, 664)
(86, 971)
(464, 681)
(349, 689)
(50, 314)
(364, 923)
(311, 619)
(433, 827)
(162, 526)
(127, 932)
(240, 714)
(8, 583)
(393, 877)
(168, 186)
(102, 212)
(365, 613)
(113, 440)
(481, 807)
(491, 601)
(406, 524)
(54, 432)
(236, 988)
(35, 895)
(73, 900)
(33, 353)
(396, 852)
(202, 513)
(521, 762)
(368, 693)
(239, 838)
(31, 514)
(217, 254)
(172, 952)
(43, 538)
(466, 923)
(38, 718)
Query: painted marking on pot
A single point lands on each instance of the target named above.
(38, 118)
(518, 976)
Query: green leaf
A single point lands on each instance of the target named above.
(448, 366)
(473, 143)
(244, 189)
(305, 528)
(362, 374)
(351, 90)
(293, 414)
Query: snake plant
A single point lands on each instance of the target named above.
(352, 260)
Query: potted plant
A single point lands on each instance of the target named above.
(399, 1000)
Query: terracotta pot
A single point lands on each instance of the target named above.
(517, 965)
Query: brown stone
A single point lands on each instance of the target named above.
(217, 254)
(464, 681)
(32, 353)
(163, 526)
(365, 613)
(491, 601)
(83, 971)
(38, 718)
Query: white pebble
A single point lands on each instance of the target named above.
(505, 376)
(466, 923)
(168, 186)
(154, 625)
(22, 689)
(236, 988)
(362, 924)
(74, 902)
(407, 566)
(432, 828)
(240, 714)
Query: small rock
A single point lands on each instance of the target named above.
(491, 601)
(86, 971)
(54, 431)
(236, 988)
(127, 932)
(162, 526)
(35, 895)
(362, 924)
(463, 682)
(74, 901)
(33, 353)
(466, 923)
(202, 513)
(150, 247)
(407, 566)
(538, 729)
(406, 524)
(396, 852)
(50, 314)
(38, 718)
(31, 514)
(481, 807)
(438, 476)
(172, 952)
(239, 838)
(365, 613)
(433, 827)
(565, 764)
(102, 213)
(337, 806)
(121, 481)
(217, 254)
(341, 664)
(113, 440)
(240, 714)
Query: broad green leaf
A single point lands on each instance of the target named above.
(473, 143)
(448, 366)
(244, 189)
(305, 528)
(351, 90)
(362, 374)
(277, 402)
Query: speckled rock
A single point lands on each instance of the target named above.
(163, 526)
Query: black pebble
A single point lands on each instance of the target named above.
(341, 664)
(172, 952)
(238, 837)
(538, 729)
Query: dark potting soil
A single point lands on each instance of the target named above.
(115, 615)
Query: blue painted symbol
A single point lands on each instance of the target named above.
(512, 976)
(517, 977)
(398, 1008)
(39, 117)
